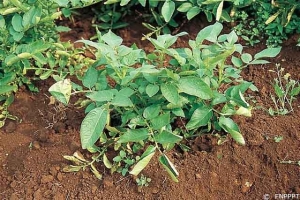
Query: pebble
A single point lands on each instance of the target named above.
(198, 176)
(155, 190)
(47, 178)
(94, 189)
(108, 182)
(74, 146)
(36, 145)
(246, 186)
(59, 127)
(53, 171)
(59, 176)
(10, 127)
(43, 135)
(13, 184)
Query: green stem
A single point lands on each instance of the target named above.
(150, 129)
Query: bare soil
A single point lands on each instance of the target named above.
(31, 152)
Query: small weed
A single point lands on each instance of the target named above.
(143, 181)
(290, 162)
(286, 89)
(278, 139)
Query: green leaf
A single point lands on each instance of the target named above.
(5, 89)
(134, 135)
(124, 2)
(17, 22)
(200, 117)
(122, 98)
(11, 59)
(178, 112)
(195, 86)
(160, 121)
(62, 3)
(103, 95)
(246, 57)
(192, 12)
(92, 125)
(209, 33)
(152, 111)
(142, 164)
(46, 75)
(90, 77)
(231, 127)
(112, 39)
(169, 167)
(270, 53)
(237, 62)
(167, 10)
(166, 137)
(151, 90)
(186, 6)
(2, 22)
(62, 91)
(170, 92)
(62, 29)
(142, 2)
(126, 92)
(39, 57)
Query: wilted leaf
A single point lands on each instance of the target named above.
(62, 91)
(141, 164)
(169, 167)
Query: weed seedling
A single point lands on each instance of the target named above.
(143, 181)
(277, 138)
(286, 89)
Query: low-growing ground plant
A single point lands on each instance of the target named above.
(286, 89)
(274, 21)
(142, 182)
(140, 104)
(30, 48)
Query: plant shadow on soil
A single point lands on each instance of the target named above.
(31, 152)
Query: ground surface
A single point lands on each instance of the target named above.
(31, 152)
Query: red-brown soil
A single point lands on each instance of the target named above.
(31, 152)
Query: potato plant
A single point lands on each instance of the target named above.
(134, 100)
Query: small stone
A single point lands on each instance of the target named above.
(43, 135)
(47, 178)
(10, 127)
(108, 182)
(198, 176)
(74, 146)
(13, 184)
(85, 175)
(36, 145)
(59, 127)
(94, 189)
(53, 171)
(155, 190)
(59, 176)
(246, 186)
